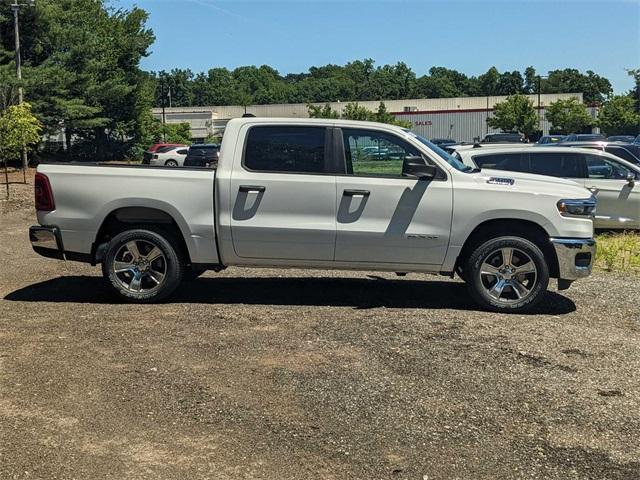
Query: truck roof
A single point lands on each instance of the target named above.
(313, 121)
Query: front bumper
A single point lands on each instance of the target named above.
(47, 241)
(575, 257)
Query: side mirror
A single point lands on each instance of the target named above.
(631, 179)
(415, 166)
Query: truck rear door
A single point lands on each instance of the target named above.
(282, 196)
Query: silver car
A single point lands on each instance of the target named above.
(614, 181)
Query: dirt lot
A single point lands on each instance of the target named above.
(299, 374)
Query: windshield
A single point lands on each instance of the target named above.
(450, 159)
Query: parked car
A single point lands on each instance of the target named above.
(626, 151)
(169, 156)
(290, 193)
(548, 139)
(146, 156)
(484, 146)
(503, 138)
(621, 138)
(203, 155)
(614, 181)
(584, 137)
(443, 142)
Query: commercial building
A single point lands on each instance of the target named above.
(463, 119)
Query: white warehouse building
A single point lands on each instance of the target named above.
(463, 118)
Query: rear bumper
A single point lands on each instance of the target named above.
(575, 257)
(47, 241)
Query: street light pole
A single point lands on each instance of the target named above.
(15, 7)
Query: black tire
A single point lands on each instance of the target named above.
(521, 289)
(171, 163)
(155, 279)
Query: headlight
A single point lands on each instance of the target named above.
(577, 208)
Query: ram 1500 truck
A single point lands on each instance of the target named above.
(313, 193)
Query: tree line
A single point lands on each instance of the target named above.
(361, 80)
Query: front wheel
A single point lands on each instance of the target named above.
(507, 274)
(142, 266)
(171, 163)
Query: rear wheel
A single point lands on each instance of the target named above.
(142, 266)
(507, 274)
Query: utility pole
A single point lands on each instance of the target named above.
(164, 118)
(539, 111)
(15, 7)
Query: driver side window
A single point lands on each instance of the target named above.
(605, 169)
(373, 153)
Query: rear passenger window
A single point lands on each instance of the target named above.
(285, 149)
(556, 164)
(513, 162)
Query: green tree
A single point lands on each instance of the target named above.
(516, 113)
(383, 116)
(353, 111)
(569, 80)
(170, 132)
(568, 116)
(19, 129)
(618, 116)
(82, 71)
(325, 111)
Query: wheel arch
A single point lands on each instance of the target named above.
(123, 218)
(527, 229)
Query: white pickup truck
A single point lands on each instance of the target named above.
(312, 193)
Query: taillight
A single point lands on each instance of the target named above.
(155, 157)
(44, 194)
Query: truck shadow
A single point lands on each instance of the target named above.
(359, 293)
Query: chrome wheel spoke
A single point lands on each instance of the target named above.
(157, 277)
(136, 282)
(153, 254)
(132, 247)
(120, 267)
(519, 289)
(507, 256)
(528, 267)
(488, 269)
(497, 289)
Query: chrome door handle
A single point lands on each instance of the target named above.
(252, 188)
(356, 193)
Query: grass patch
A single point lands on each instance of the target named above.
(378, 167)
(619, 252)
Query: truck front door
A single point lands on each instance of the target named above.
(384, 217)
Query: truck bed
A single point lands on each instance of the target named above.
(86, 194)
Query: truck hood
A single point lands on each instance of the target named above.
(530, 182)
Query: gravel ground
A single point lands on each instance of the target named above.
(276, 374)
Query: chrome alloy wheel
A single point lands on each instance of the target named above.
(508, 275)
(140, 266)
